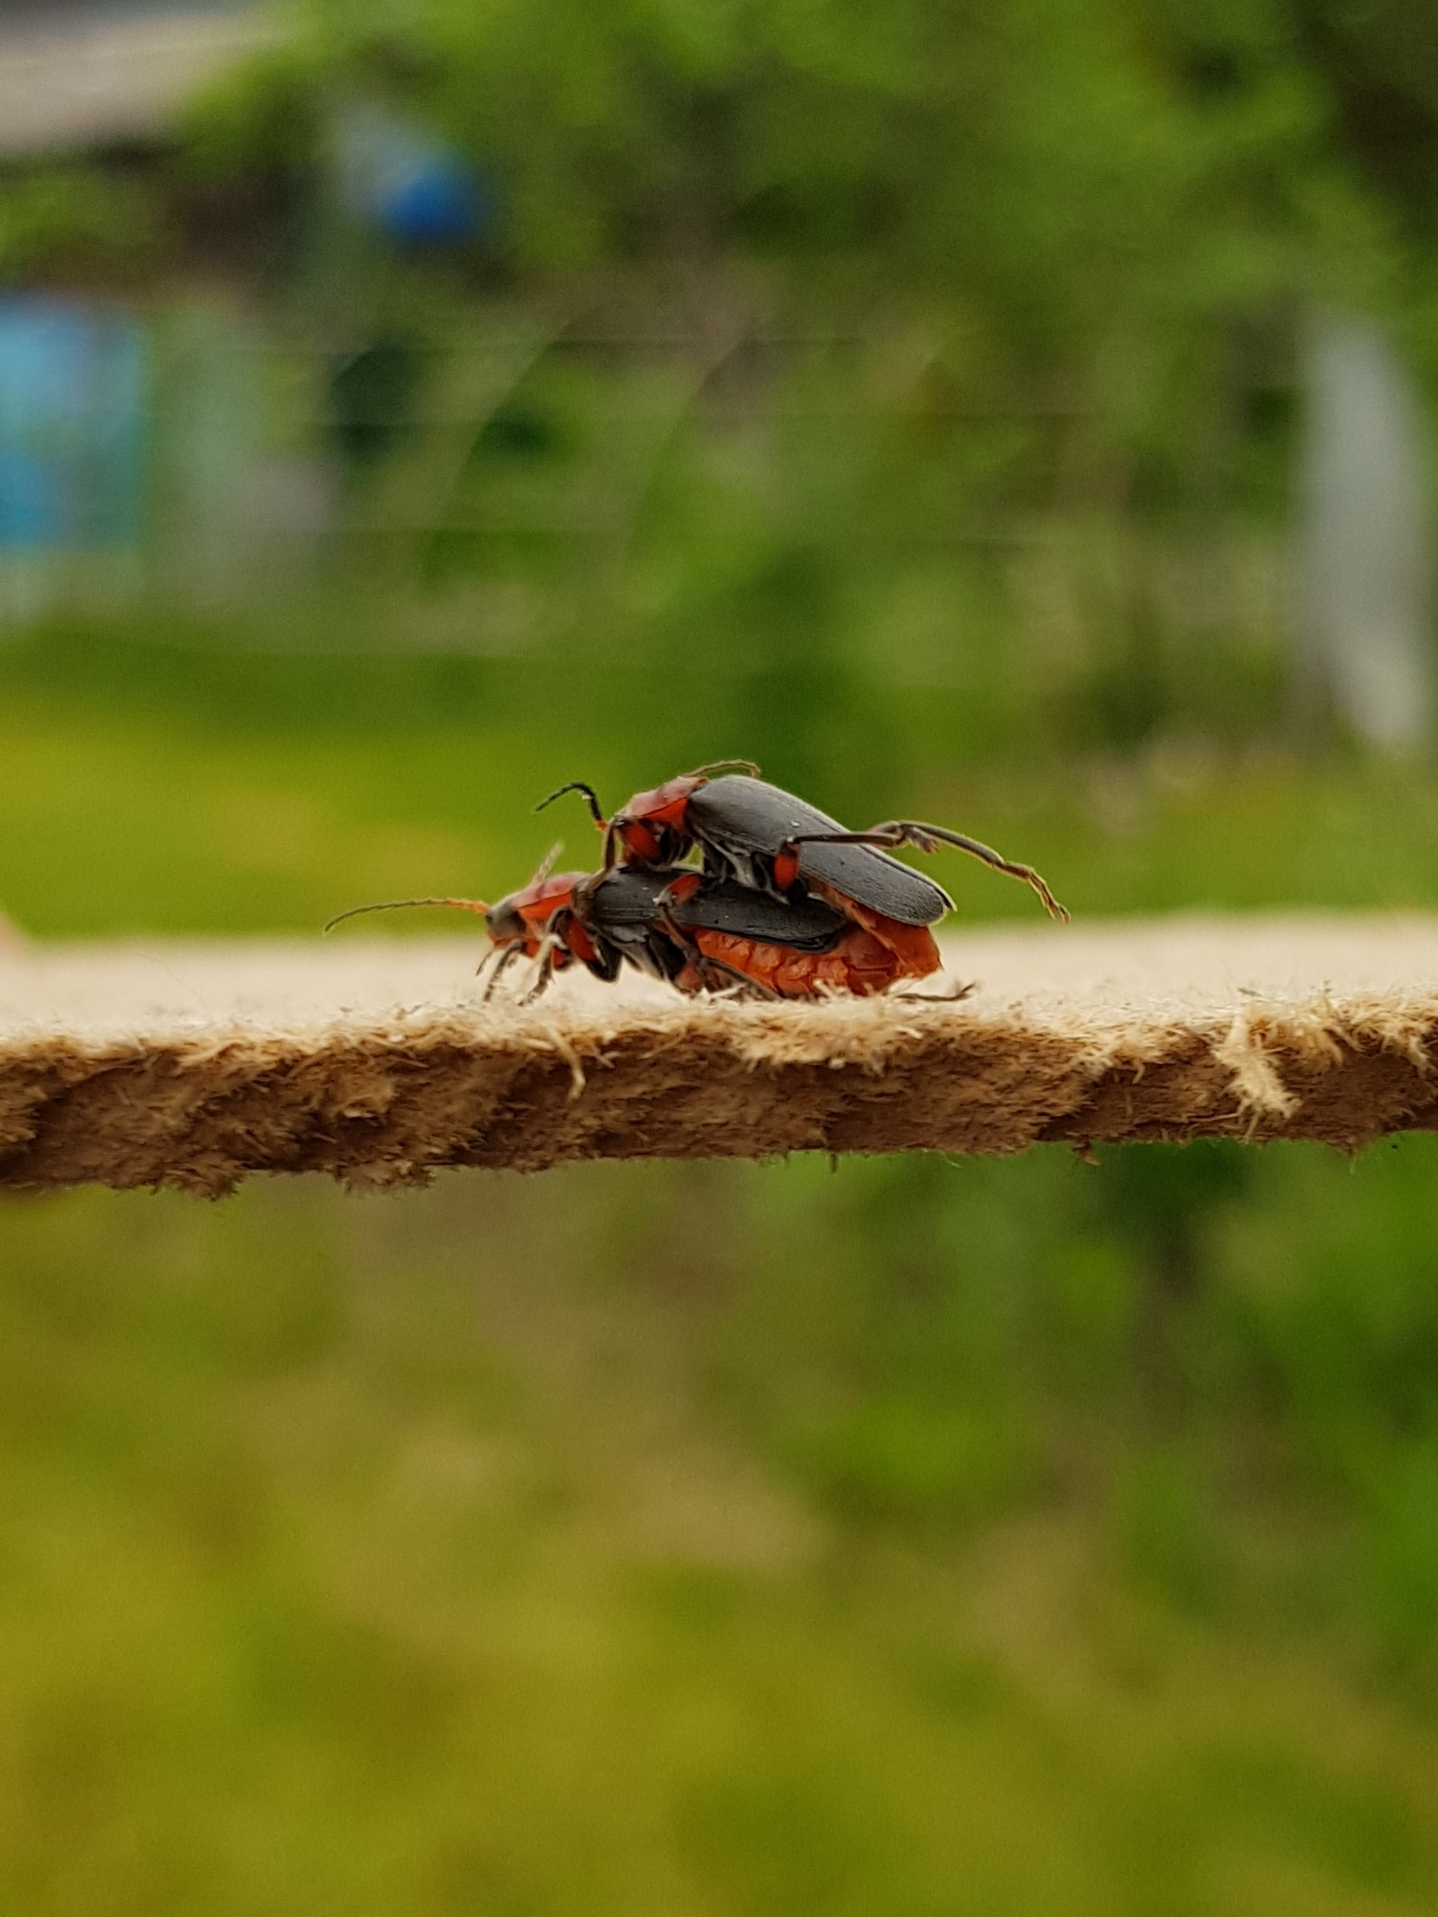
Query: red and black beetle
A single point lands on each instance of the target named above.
(695, 932)
(770, 840)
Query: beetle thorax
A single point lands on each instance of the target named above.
(528, 911)
(653, 826)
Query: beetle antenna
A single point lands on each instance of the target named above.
(719, 765)
(591, 799)
(399, 905)
(546, 864)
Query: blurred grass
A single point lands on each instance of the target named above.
(190, 790)
(919, 1537)
(708, 1538)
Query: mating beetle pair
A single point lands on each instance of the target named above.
(673, 923)
(787, 903)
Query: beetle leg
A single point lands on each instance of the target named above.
(611, 847)
(703, 967)
(548, 946)
(927, 838)
(952, 996)
(739, 988)
(506, 959)
(740, 984)
(706, 969)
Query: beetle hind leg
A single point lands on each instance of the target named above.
(928, 838)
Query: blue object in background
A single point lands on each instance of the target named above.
(73, 403)
(31, 511)
(396, 177)
(436, 204)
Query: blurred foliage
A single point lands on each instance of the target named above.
(1033, 158)
(66, 220)
(807, 337)
(1073, 192)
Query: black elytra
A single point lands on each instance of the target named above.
(723, 905)
(629, 916)
(739, 819)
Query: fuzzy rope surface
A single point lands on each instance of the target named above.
(373, 1059)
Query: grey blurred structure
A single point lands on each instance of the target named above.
(1365, 536)
(241, 511)
(91, 73)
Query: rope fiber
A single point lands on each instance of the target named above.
(375, 1061)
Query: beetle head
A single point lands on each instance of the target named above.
(525, 914)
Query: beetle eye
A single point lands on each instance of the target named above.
(503, 922)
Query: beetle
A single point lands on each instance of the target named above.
(769, 840)
(693, 931)
(802, 948)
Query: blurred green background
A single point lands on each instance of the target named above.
(913, 397)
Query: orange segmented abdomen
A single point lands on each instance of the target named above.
(743, 956)
(912, 946)
(860, 963)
